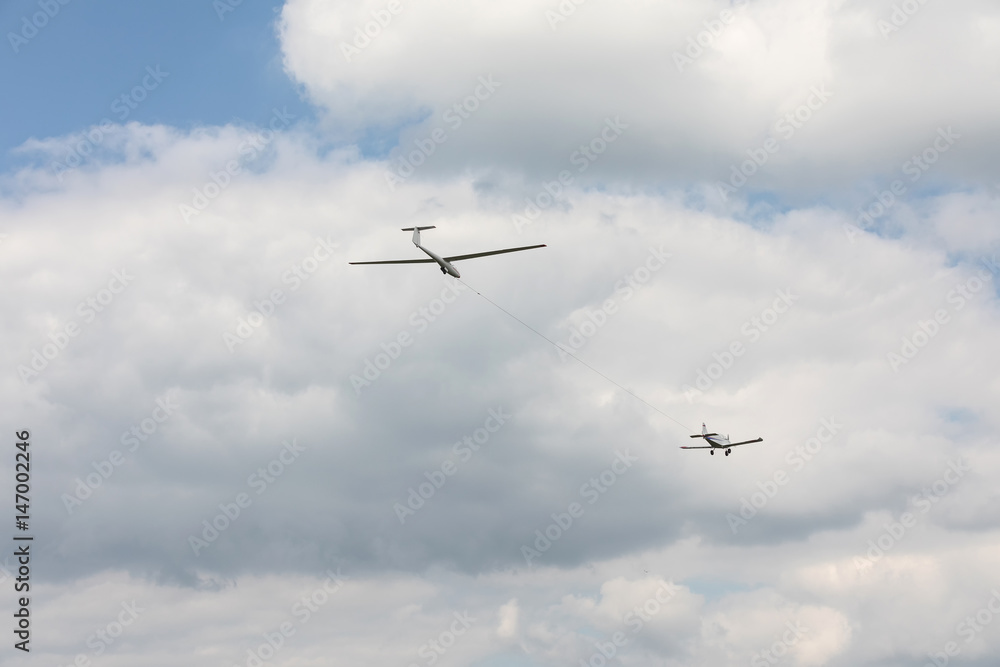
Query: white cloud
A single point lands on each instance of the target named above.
(861, 295)
(164, 335)
(888, 95)
(509, 614)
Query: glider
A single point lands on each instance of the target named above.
(716, 441)
(444, 262)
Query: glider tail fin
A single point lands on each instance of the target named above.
(416, 232)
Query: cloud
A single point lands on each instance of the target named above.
(194, 284)
(508, 619)
(752, 67)
(185, 341)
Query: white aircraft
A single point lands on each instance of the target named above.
(716, 441)
(443, 262)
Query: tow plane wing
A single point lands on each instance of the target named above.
(746, 442)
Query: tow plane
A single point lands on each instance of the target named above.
(445, 263)
(716, 441)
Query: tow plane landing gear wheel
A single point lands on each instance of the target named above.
(727, 452)
(712, 452)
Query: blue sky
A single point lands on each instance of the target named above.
(90, 54)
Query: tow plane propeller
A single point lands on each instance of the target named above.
(444, 262)
(716, 441)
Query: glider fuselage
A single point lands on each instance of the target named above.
(445, 265)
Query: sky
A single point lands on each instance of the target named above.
(774, 218)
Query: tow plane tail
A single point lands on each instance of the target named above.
(704, 432)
